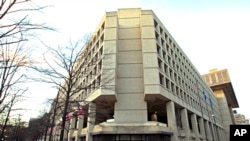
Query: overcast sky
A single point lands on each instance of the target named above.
(213, 33)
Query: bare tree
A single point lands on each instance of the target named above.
(14, 97)
(68, 69)
(59, 72)
(16, 29)
(13, 63)
(15, 25)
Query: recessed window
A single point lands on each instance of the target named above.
(169, 60)
(97, 44)
(102, 38)
(101, 51)
(174, 46)
(175, 77)
(103, 26)
(98, 81)
(167, 83)
(155, 24)
(164, 55)
(90, 75)
(166, 69)
(167, 46)
(95, 70)
(166, 36)
(173, 88)
(161, 78)
(177, 90)
(162, 42)
(100, 65)
(157, 36)
(158, 50)
(159, 63)
(170, 41)
(170, 73)
(161, 31)
(94, 85)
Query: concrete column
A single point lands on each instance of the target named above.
(213, 132)
(91, 121)
(66, 130)
(73, 123)
(79, 126)
(185, 124)
(71, 127)
(202, 128)
(207, 128)
(195, 127)
(172, 120)
(223, 134)
(220, 134)
(216, 133)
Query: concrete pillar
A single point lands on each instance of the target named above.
(66, 130)
(207, 128)
(202, 128)
(79, 126)
(172, 120)
(71, 127)
(185, 124)
(195, 127)
(220, 134)
(223, 134)
(216, 133)
(91, 121)
(73, 123)
(213, 132)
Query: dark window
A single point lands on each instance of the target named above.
(161, 77)
(160, 63)
(167, 83)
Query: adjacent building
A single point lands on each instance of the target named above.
(220, 83)
(142, 86)
(241, 119)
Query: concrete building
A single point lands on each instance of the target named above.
(241, 119)
(142, 86)
(220, 83)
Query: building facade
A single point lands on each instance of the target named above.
(142, 86)
(220, 83)
(241, 119)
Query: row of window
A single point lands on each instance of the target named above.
(176, 65)
(90, 64)
(178, 91)
(165, 59)
(167, 49)
(92, 46)
(178, 69)
(88, 79)
(172, 82)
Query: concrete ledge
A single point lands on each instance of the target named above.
(150, 127)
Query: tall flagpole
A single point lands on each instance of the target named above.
(202, 116)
